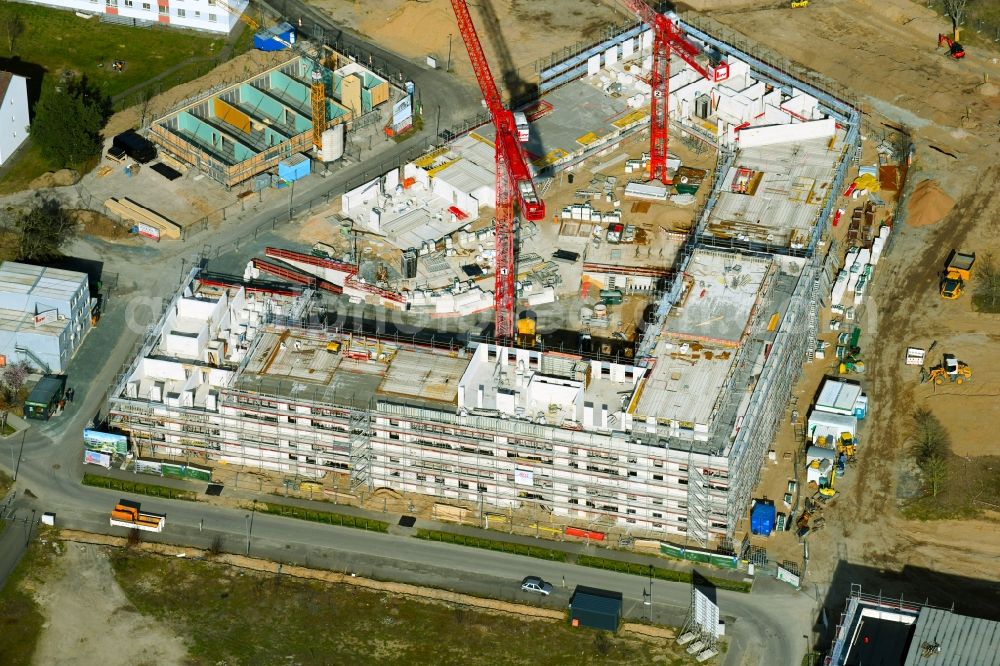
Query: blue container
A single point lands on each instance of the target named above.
(762, 517)
(274, 39)
(295, 167)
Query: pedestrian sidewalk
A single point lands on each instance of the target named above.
(18, 424)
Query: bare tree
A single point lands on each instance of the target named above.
(13, 27)
(935, 471)
(956, 10)
(987, 284)
(929, 436)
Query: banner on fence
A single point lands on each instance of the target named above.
(96, 458)
(197, 473)
(787, 576)
(105, 442)
(147, 467)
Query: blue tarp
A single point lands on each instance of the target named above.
(274, 39)
(762, 517)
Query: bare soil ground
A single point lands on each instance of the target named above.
(90, 621)
(885, 52)
(525, 30)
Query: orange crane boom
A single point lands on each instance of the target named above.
(513, 178)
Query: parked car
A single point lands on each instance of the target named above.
(536, 584)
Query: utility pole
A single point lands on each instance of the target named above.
(27, 539)
(650, 592)
(448, 67)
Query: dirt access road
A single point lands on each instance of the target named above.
(884, 50)
(513, 32)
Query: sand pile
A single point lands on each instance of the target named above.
(928, 204)
(96, 224)
(60, 178)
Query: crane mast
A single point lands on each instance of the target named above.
(667, 39)
(317, 88)
(513, 179)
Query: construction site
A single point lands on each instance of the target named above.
(684, 287)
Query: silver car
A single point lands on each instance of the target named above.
(536, 584)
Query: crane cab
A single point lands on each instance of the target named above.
(521, 123)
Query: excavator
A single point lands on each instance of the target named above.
(955, 50)
(951, 369)
(828, 490)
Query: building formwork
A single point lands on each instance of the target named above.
(249, 127)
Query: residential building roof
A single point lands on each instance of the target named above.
(944, 638)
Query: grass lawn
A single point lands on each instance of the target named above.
(968, 480)
(138, 488)
(221, 611)
(57, 40)
(5, 483)
(20, 616)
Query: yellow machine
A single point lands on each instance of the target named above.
(845, 445)
(527, 332)
(957, 274)
(951, 370)
(828, 490)
(799, 3)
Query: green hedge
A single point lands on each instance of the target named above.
(327, 517)
(658, 573)
(492, 544)
(138, 488)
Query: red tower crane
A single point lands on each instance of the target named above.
(667, 38)
(513, 180)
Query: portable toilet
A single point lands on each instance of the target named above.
(861, 407)
(762, 517)
(295, 167)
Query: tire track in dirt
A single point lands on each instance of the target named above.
(897, 312)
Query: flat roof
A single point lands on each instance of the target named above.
(581, 114)
(879, 641)
(838, 394)
(944, 638)
(722, 291)
(793, 181)
(15, 321)
(18, 278)
(685, 383)
(353, 371)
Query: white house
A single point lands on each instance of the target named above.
(13, 113)
(211, 15)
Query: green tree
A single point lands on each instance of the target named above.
(68, 122)
(43, 229)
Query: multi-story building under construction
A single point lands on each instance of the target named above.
(234, 376)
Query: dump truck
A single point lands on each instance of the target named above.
(128, 514)
(958, 272)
